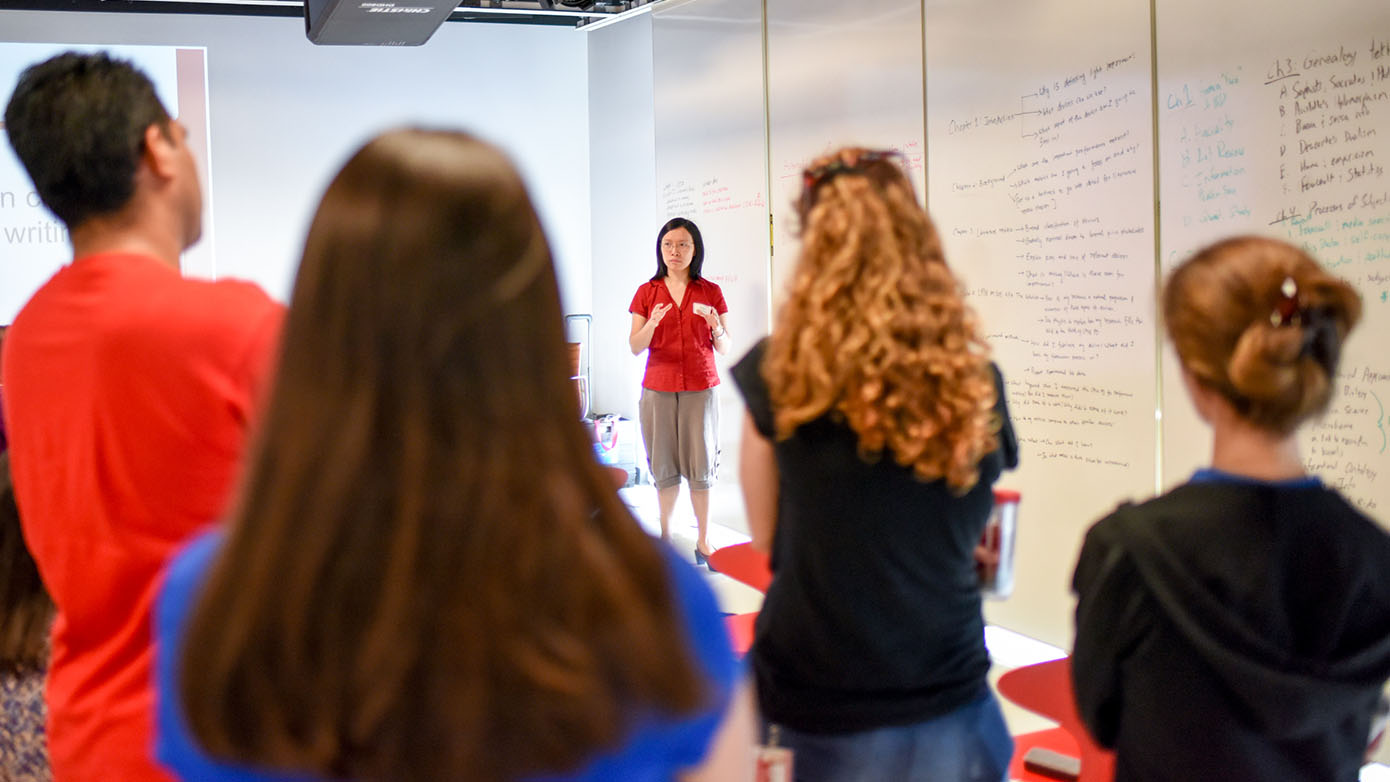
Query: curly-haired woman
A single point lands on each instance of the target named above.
(876, 425)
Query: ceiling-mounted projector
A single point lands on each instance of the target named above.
(374, 22)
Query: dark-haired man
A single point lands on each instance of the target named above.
(128, 391)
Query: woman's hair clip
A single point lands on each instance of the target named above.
(1286, 310)
(815, 176)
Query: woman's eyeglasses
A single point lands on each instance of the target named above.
(682, 246)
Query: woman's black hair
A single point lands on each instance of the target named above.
(696, 263)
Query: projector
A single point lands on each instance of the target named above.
(374, 22)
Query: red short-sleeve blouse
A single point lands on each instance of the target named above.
(681, 354)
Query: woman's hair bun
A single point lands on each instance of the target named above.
(1260, 321)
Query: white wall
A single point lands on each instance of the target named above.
(286, 114)
(622, 160)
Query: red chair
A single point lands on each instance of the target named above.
(1046, 689)
(743, 563)
(740, 628)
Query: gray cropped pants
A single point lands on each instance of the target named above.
(681, 432)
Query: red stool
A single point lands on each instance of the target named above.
(740, 628)
(743, 563)
(1045, 689)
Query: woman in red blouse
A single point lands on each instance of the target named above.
(678, 318)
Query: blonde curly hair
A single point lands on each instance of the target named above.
(876, 331)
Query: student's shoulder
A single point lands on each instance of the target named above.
(183, 577)
(219, 300)
(189, 565)
(1122, 524)
(747, 370)
(689, 590)
(703, 620)
(1364, 535)
(1174, 521)
(216, 317)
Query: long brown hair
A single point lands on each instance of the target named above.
(26, 611)
(428, 575)
(876, 329)
(1259, 321)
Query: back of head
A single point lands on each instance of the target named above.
(25, 608)
(426, 264)
(77, 124)
(429, 575)
(1259, 321)
(876, 329)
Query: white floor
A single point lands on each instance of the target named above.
(728, 527)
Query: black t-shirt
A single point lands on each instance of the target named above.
(873, 614)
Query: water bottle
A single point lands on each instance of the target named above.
(994, 558)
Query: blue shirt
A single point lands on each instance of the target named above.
(1213, 475)
(657, 750)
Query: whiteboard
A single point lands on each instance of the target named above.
(710, 152)
(1279, 125)
(1040, 164)
(837, 74)
(711, 165)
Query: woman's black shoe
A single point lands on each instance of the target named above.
(701, 559)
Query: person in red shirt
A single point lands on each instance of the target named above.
(128, 394)
(678, 318)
